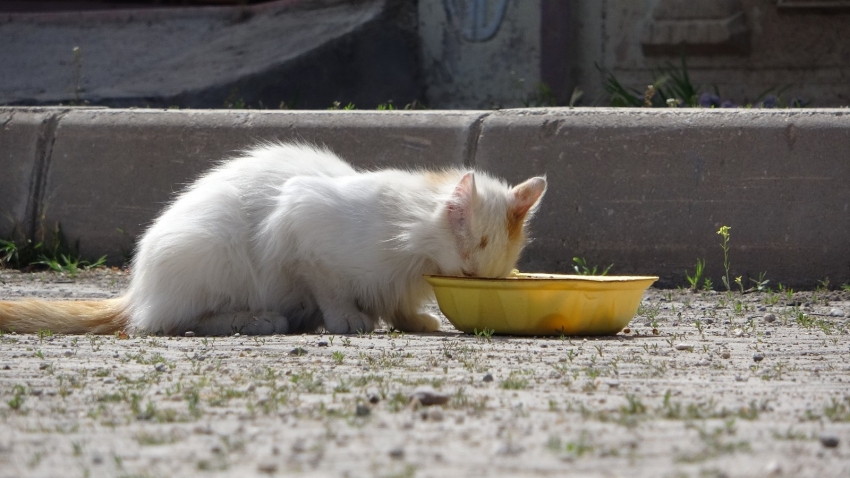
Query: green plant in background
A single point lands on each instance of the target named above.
(234, 101)
(77, 76)
(724, 233)
(70, 264)
(581, 268)
(695, 280)
(672, 87)
(669, 83)
(48, 248)
(760, 284)
(339, 106)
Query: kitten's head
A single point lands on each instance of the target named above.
(487, 221)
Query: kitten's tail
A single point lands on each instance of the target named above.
(64, 317)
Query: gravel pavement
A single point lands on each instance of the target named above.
(700, 385)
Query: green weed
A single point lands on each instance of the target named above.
(582, 268)
(48, 248)
(514, 382)
(484, 333)
(17, 401)
(695, 280)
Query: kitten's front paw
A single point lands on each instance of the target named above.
(349, 323)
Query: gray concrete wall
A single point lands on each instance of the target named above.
(643, 189)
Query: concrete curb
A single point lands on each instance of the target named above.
(643, 189)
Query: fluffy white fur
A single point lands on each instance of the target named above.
(290, 238)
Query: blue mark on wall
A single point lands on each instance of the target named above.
(477, 20)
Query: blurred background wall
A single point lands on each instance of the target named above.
(434, 53)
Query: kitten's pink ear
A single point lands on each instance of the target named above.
(460, 205)
(526, 196)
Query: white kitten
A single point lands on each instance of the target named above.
(290, 238)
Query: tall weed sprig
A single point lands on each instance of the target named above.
(724, 232)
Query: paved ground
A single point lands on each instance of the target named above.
(759, 386)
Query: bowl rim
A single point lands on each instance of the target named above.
(545, 277)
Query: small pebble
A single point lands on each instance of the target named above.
(160, 367)
(739, 378)
(44, 365)
(758, 357)
(836, 313)
(7, 367)
(769, 318)
(773, 468)
(115, 355)
(374, 398)
(737, 332)
(323, 343)
(298, 351)
(237, 334)
(397, 453)
(267, 467)
(428, 396)
(613, 383)
(362, 411)
(67, 353)
(202, 430)
(188, 333)
(703, 363)
(684, 347)
(435, 414)
(488, 377)
(708, 321)
(829, 441)
(725, 355)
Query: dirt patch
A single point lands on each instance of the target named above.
(759, 386)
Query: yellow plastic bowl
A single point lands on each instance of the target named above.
(540, 304)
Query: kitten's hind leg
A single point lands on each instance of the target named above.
(243, 322)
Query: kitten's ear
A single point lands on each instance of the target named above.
(526, 196)
(459, 207)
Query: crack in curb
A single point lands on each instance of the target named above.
(475, 131)
(6, 123)
(38, 180)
